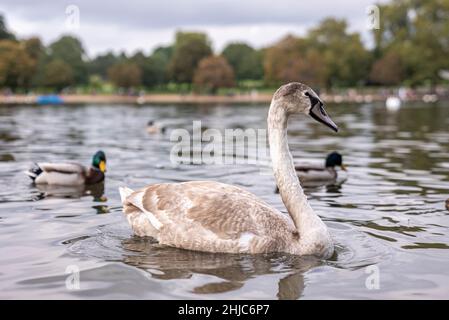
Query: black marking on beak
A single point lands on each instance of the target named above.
(318, 113)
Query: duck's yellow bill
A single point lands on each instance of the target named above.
(343, 167)
(102, 166)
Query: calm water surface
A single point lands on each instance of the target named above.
(388, 217)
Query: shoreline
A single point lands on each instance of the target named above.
(73, 99)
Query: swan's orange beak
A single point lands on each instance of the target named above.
(319, 114)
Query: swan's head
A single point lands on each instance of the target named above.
(299, 98)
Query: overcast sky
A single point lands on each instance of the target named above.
(137, 24)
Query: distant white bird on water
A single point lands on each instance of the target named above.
(393, 103)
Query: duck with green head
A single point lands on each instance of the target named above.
(69, 173)
(324, 171)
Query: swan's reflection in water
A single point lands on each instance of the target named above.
(233, 270)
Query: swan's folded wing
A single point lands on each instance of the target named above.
(211, 216)
(68, 167)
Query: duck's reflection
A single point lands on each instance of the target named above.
(234, 270)
(74, 192)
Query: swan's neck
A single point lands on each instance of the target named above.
(287, 181)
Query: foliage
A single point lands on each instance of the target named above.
(214, 72)
(125, 74)
(15, 65)
(5, 34)
(100, 64)
(246, 61)
(387, 70)
(58, 74)
(292, 60)
(152, 68)
(345, 58)
(410, 48)
(189, 49)
(419, 32)
(70, 50)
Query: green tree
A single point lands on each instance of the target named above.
(246, 61)
(212, 73)
(57, 74)
(161, 57)
(291, 59)
(152, 68)
(189, 49)
(101, 63)
(36, 51)
(164, 53)
(71, 51)
(16, 67)
(5, 34)
(125, 75)
(418, 31)
(346, 60)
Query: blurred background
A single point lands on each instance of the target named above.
(224, 47)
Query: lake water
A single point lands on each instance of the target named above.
(388, 219)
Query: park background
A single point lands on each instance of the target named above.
(409, 50)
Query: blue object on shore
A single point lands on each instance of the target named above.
(49, 99)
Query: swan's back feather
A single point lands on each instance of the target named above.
(214, 217)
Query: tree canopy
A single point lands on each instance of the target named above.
(212, 73)
(125, 74)
(246, 61)
(189, 49)
(410, 48)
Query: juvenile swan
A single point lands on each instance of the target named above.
(217, 217)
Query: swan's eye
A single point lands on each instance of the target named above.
(307, 94)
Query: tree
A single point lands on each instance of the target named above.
(292, 59)
(189, 49)
(15, 64)
(71, 51)
(36, 52)
(418, 31)
(5, 34)
(164, 53)
(388, 70)
(58, 74)
(125, 75)
(214, 72)
(152, 68)
(246, 62)
(101, 63)
(345, 58)
(161, 57)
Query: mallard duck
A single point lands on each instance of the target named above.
(69, 173)
(308, 171)
(316, 174)
(154, 128)
(216, 217)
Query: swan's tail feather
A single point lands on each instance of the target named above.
(125, 192)
(34, 171)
